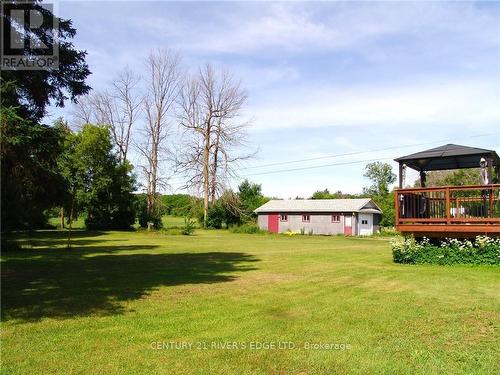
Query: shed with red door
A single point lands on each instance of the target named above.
(320, 216)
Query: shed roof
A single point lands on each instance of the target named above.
(448, 156)
(320, 205)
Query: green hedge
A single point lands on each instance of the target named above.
(247, 228)
(483, 250)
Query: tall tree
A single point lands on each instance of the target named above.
(211, 104)
(96, 181)
(35, 89)
(117, 107)
(163, 80)
(125, 93)
(83, 111)
(251, 197)
(325, 194)
(381, 177)
(30, 179)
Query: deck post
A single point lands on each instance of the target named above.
(448, 211)
(396, 204)
(400, 175)
(423, 178)
(490, 213)
(490, 170)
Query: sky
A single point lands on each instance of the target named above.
(373, 80)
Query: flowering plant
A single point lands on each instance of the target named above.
(483, 250)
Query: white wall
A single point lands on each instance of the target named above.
(321, 224)
(365, 229)
(262, 221)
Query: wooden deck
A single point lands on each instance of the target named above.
(449, 211)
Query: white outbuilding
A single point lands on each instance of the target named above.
(351, 217)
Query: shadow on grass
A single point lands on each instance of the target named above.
(59, 283)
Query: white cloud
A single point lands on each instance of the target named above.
(248, 28)
(470, 103)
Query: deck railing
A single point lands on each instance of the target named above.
(449, 205)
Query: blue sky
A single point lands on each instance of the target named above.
(322, 78)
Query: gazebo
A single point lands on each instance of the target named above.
(450, 211)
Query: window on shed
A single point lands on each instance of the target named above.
(364, 222)
(283, 217)
(335, 218)
(306, 218)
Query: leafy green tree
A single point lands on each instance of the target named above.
(97, 181)
(381, 177)
(30, 180)
(232, 208)
(179, 204)
(144, 216)
(226, 211)
(456, 177)
(69, 172)
(322, 194)
(325, 194)
(251, 197)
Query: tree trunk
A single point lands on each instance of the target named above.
(70, 226)
(62, 218)
(206, 162)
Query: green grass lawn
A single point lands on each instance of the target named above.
(168, 222)
(173, 222)
(101, 306)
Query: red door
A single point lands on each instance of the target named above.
(348, 225)
(273, 223)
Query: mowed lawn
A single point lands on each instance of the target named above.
(106, 306)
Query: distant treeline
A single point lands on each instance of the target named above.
(182, 205)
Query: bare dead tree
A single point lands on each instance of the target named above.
(83, 111)
(211, 104)
(128, 104)
(163, 80)
(118, 108)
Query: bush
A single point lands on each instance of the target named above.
(144, 217)
(247, 228)
(386, 232)
(189, 226)
(215, 217)
(483, 250)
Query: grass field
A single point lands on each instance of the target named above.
(79, 223)
(107, 304)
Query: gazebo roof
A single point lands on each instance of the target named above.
(449, 156)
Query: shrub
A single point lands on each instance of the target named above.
(483, 250)
(189, 226)
(386, 232)
(215, 217)
(144, 217)
(249, 228)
